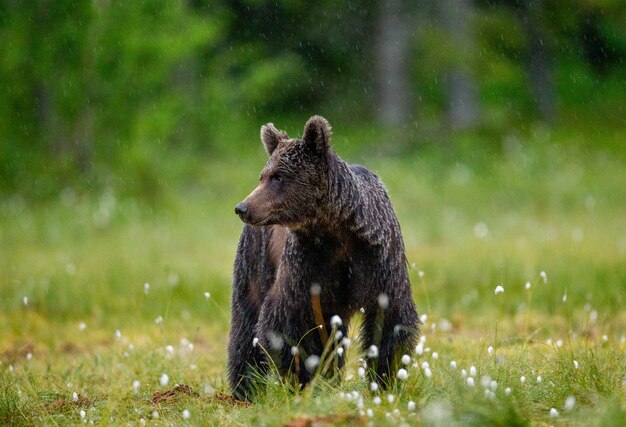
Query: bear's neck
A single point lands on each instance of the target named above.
(343, 193)
(335, 214)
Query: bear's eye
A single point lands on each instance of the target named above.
(276, 177)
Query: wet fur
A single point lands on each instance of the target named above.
(323, 222)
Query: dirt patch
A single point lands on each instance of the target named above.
(169, 396)
(323, 420)
(172, 394)
(226, 399)
(69, 348)
(63, 403)
(17, 351)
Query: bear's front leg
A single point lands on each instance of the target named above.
(244, 358)
(285, 333)
(393, 328)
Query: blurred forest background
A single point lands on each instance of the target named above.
(109, 94)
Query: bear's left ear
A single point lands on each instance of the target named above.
(271, 137)
(317, 134)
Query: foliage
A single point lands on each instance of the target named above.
(93, 93)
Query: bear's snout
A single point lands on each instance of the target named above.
(241, 210)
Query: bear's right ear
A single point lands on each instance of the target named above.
(317, 134)
(271, 137)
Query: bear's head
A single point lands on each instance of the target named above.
(293, 185)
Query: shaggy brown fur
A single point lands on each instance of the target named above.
(316, 223)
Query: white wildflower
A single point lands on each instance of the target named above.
(470, 382)
(335, 321)
(402, 374)
(276, 341)
(383, 301)
(164, 380)
(374, 386)
(472, 371)
(186, 414)
(311, 363)
(453, 364)
(136, 385)
(499, 289)
(554, 413)
(419, 348)
(411, 406)
(372, 352)
(481, 230)
(570, 402)
(406, 359)
(544, 276)
(485, 380)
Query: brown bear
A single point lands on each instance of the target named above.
(321, 242)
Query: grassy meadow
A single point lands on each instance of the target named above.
(108, 301)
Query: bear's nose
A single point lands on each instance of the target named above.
(241, 209)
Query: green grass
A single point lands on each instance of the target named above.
(472, 219)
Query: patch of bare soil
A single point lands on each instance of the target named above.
(17, 351)
(172, 394)
(62, 403)
(323, 420)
